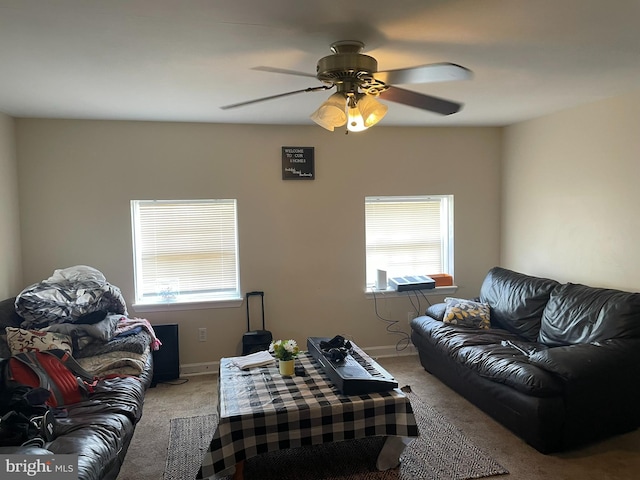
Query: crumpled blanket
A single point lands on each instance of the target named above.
(126, 324)
(115, 363)
(82, 334)
(66, 296)
(133, 343)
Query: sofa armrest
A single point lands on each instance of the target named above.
(436, 311)
(586, 361)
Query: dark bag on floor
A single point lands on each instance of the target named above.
(255, 340)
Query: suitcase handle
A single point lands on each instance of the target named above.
(250, 294)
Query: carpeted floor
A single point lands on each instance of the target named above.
(441, 452)
(617, 458)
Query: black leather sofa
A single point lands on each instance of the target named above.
(559, 365)
(98, 430)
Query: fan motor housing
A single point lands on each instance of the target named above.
(345, 66)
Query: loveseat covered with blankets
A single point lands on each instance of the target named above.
(558, 364)
(78, 314)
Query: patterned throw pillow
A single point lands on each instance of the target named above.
(20, 340)
(466, 313)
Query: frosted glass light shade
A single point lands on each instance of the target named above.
(372, 111)
(331, 113)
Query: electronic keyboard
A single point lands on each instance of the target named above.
(355, 373)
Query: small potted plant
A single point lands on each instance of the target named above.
(286, 352)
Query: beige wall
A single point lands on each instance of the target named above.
(562, 204)
(571, 194)
(10, 261)
(302, 242)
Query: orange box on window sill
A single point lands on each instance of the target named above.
(442, 279)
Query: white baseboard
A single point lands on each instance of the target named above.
(391, 351)
(207, 368)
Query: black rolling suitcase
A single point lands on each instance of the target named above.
(255, 340)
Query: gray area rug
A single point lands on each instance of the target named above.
(440, 453)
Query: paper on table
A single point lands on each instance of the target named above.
(257, 359)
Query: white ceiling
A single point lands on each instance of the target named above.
(180, 60)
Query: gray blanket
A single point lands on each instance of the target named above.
(132, 343)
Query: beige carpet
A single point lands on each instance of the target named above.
(441, 452)
(615, 458)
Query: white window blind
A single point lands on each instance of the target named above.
(408, 235)
(185, 250)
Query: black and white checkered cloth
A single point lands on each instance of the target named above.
(261, 411)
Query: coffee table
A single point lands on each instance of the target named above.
(261, 411)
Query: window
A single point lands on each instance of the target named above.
(185, 251)
(409, 235)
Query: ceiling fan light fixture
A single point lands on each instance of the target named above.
(331, 113)
(358, 81)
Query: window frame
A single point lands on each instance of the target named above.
(446, 203)
(145, 302)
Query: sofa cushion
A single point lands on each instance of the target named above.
(516, 300)
(98, 439)
(611, 360)
(581, 314)
(99, 429)
(466, 313)
(508, 363)
(448, 338)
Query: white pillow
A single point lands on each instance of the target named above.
(20, 340)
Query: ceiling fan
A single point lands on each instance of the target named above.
(358, 82)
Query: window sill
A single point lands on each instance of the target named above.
(389, 293)
(177, 306)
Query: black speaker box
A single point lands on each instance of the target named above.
(166, 360)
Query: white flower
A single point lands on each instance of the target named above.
(284, 349)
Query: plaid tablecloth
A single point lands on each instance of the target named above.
(261, 411)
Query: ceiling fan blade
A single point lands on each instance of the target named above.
(249, 102)
(419, 100)
(434, 72)
(283, 70)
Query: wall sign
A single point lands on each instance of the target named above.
(297, 163)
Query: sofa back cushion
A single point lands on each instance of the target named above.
(8, 315)
(581, 314)
(516, 300)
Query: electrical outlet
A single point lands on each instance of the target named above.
(410, 316)
(202, 334)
